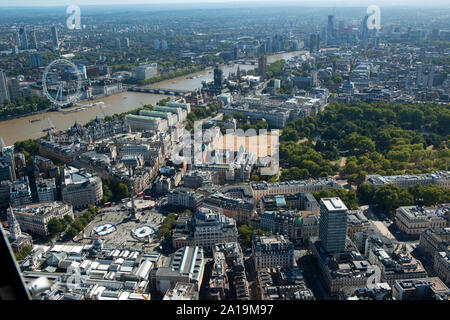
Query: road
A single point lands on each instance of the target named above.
(378, 223)
(387, 228)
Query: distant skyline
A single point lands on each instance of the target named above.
(319, 3)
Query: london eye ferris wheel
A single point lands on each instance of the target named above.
(61, 82)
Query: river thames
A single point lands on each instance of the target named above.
(22, 128)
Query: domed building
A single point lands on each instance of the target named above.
(348, 87)
(98, 244)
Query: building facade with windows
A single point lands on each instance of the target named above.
(21, 193)
(333, 224)
(413, 220)
(34, 218)
(80, 188)
(211, 228)
(439, 178)
(46, 190)
(261, 189)
(186, 265)
(272, 251)
(184, 197)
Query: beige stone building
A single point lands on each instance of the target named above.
(34, 218)
(261, 189)
(442, 266)
(80, 188)
(413, 220)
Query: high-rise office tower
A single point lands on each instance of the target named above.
(262, 65)
(127, 42)
(23, 38)
(118, 44)
(236, 53)
(55, 37)
(269, 44)
(156, 44)
(314, 45)
(408, 81)
(434, 34)
(36, 60)
(33, 40)
(364, 31)
(341, 26)
(15, 90)
(419, 74)
(17, 39)
(330, 30)
(262, 48)
(4, 92)
(431, 76)
(218, 77)
(164, 45)
(333, 224)
(278, 43)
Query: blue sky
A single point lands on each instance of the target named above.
(407, 3)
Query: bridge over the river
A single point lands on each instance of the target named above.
(171, 92)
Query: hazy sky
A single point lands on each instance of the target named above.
(338, 3)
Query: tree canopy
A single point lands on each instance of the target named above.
(375, 137)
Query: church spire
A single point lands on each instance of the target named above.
(14, 227)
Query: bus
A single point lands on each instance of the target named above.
(107, 204)
(147, 197)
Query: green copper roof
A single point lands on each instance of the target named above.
(134, 116)
(156, 113)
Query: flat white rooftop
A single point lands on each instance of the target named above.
(334, 204)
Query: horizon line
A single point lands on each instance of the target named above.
(307, 3)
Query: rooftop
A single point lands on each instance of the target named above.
(135, 116)
(38, 208)
(334, 204)
(292, 183)
(76, 176)
(425, 213)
